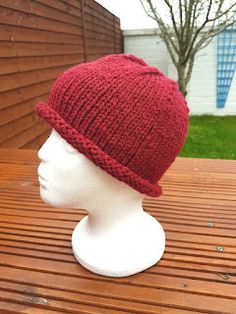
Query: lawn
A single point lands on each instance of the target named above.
(211, 137)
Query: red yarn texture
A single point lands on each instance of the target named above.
(124, 115)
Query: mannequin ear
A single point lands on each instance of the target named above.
(69, 148)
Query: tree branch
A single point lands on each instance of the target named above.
(211, 34)
(146, 11)
(191, 29)
(223, 13)
(162, 26)
(173, 19)
(181, 16)
(189, 25)
(198, 31)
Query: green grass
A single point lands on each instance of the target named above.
(211, 137)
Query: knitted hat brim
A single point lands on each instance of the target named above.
(95, 154)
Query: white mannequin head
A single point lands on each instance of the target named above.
(118, 238)
(69, 179)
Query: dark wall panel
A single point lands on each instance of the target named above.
(39, 39)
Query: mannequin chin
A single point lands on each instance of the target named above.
(117, 238)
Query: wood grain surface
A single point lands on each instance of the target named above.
(38, 272)
(39, 39)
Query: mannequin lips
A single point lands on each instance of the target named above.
(42, 182)
(41, 179)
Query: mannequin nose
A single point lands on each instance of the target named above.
(41, 153)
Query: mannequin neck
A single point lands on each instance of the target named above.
(114, 212)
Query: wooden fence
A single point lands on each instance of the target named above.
(39, 40)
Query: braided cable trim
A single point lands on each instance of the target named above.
(95, 154)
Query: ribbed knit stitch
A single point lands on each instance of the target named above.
(124, 115)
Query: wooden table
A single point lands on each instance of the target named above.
(197, 274)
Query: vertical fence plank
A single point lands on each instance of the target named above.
(84, 30)
(38, 41)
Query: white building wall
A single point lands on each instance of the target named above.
(146, 45)
(201, 96)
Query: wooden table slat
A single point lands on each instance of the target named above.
(38, 272)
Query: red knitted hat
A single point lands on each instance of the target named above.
(125, 116)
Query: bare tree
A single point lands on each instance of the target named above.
(187, 27)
